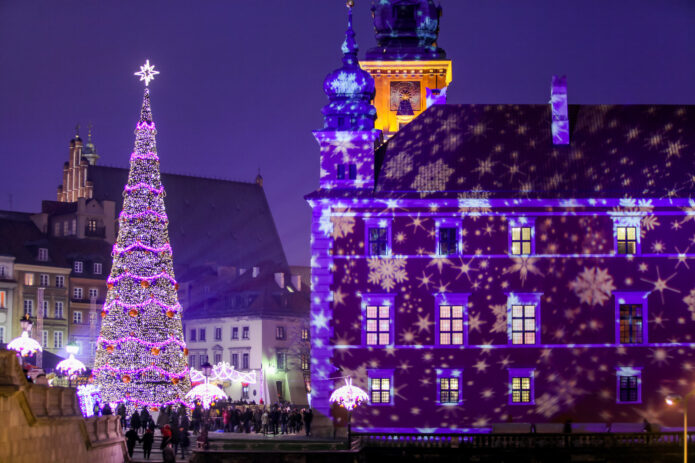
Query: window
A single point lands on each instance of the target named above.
(45, 309)
(60, 281)
(245, 362)
(57, 339)
(77, 317)
(191, 361)
(97, 268)
(43, 254)
(78, 266)
(281, 359)
(626, 240)
(306, 364)
(280, 332)
(244, 391)
(74, 227)
(380, 387)
(521, 241)
(347, 171)
(93, 293)
(77, 293)
(521, 386)
(2, 334)
(449, 388)
(66, 228)
(378, 241)
(218, 358)
(28, 307)
(451, 319)
(28, 279)
(193, 333)
(631, 323)
(58, 312)
(629, 385)
(378, 320)
(92, 225)
(3, 299)
(44, 338)
(3, 271)
(523, 318)
(218, 334)
(235, 361)
(235, 332)
(202, 358)
(43, 280)
(447, 241)
(305, 334)
(245, 332)
(56, 229)
(201, 336)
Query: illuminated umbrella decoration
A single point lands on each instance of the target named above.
(206, 393)
(71, 366)
(349, 396)
(25, 345)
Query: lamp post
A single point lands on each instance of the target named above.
(349, 397)
(206, 368)
(24, 344)
(673, 399)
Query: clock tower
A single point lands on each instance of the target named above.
(410, 71)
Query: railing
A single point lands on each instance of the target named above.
(524, 441)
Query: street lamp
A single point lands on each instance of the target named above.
(349, 397)
(24, 344)
(673, 399)
(71, 366)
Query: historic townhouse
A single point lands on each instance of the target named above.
(493, 263)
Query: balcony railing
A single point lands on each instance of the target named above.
(98, 232)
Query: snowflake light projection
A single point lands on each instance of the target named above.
(25, 345)
(593, 286)
(206, 393)
(141, 358)
(349, 396)
(223, 371)
(387, 272)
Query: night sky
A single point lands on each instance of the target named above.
(241, 81)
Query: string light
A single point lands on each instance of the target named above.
(223, 371)
(88, 395)
(206, 393)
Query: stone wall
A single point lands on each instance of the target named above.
(41, 423)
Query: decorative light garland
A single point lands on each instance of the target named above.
(140, 305)
(126, 339)
(139, 371)
(88, 395)
(223, 371)
(71, 366)
(349, 396)
(144, 186)
(25, 345)
(150, 278)
(160, 217)
(206, 393)
(139, 245)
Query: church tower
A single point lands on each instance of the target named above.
(410, 71)
(75, 184)
(348, 136)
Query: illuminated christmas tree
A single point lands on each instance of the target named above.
(141, 356)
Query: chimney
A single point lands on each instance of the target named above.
(256, 271)
(558, 104)
(297, 282)
(280, 279)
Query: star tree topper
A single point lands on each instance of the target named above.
(147, 73)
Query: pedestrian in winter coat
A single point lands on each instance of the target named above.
(121, 411)
(131, 439)
(308, 416)
(168, 455)
(184, 441)
(264, 422)
(144, 418)
(135, 421)
(106, 411)
(147, 441)
(162, 419)
(166, 436)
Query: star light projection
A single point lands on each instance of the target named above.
(141, 358)
(146, 73)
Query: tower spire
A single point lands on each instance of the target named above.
(350, 47)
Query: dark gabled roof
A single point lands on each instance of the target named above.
(506, 151)
(210, 220)
(58, 207)
(64, 251)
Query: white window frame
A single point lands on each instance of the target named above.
(524, 299)
(60, 281)
(44, 280)
(77, 293)
(58, 339)
(77, 317)
(42, 255)
(58, 308)
(78, 266)
(97, 268)
(521, 222)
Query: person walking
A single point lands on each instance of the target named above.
(135, 421)
(184, 441)
(166, 436)
(106, 411)
(144, 419)
(162, 419)
(264, 422)
(168, 455)
(147, 441)
(121, 412)
(308, 416)
(131, 439)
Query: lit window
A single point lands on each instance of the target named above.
(280, 332)
(448, 242)
(521, 386)
(631, 324)
(378, 241)
(218, 334)
(448, 390)
(626, 239)
(523, 319)
(43, 254)
(78, 266)
(235, 332)
(521, 241)
(91, 225)
(245, 332)
(305, 334)
(629, 384)
(77, 293)
(57, 339)
(77, 317)
(305, 362)
(451, 324)
(60, 281)
(3, 299)
(380, 390)
(28, 279)
(58, 309)
(43, 280)
(378, 321)
(28, 307)
(97, 268)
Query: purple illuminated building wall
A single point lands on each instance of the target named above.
(506, 262)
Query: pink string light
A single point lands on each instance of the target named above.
(139, 371)
(150, 279)
(126, 339)
(140, 305)
(148, 156)
(139, 245)
(139, 186)
(161, 217)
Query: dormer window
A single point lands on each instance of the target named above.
(78, 266)
(347, 171)
(43, 255)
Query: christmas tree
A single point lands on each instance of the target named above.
(141, 356)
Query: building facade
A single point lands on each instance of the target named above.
(8, 287)
(495, 263)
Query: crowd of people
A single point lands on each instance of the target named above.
(176, 424)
